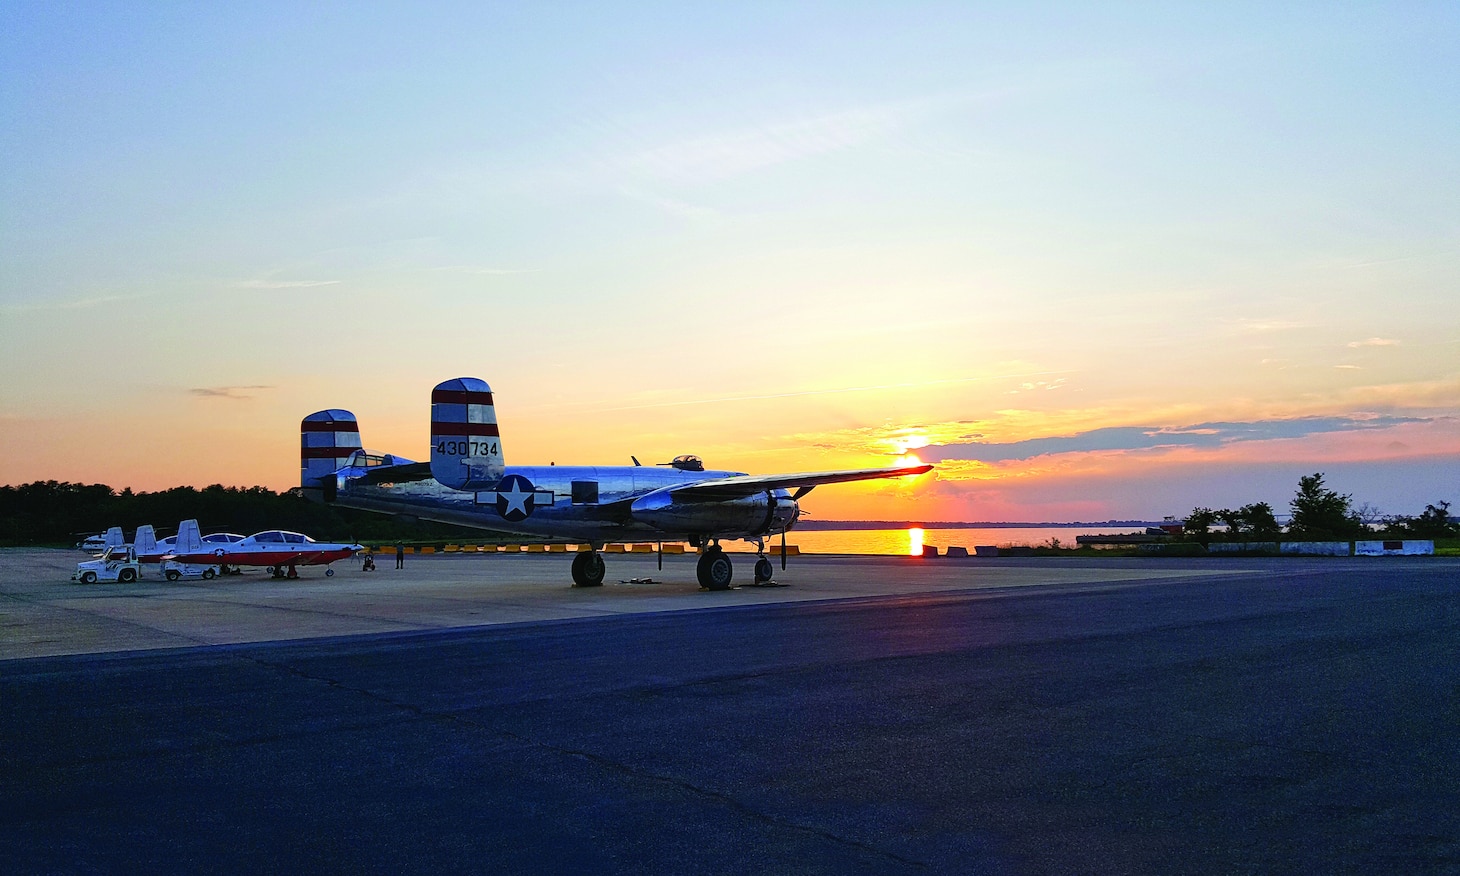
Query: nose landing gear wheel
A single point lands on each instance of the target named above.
(588, 569)
(714, 570)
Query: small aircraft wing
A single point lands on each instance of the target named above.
(740, 486)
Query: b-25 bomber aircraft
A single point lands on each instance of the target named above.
(468, 483)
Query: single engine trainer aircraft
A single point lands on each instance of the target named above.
(277, 549)
(468, 483)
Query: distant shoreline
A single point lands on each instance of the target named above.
(819, 525)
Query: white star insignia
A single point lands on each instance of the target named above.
(516, 499)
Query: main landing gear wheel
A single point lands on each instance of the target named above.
(588, 569)
(714, 570)
(329, 573)
(763, 571)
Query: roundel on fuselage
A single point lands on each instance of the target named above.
(515, 498)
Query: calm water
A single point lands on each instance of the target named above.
(911, 541)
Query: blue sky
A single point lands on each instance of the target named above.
(781, 236)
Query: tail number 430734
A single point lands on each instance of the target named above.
(467, 448)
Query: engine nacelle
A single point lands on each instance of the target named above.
(759, 514)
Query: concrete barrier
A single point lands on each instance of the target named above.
(956, 552)
(985, 550)
(930, 550)
(1242, 547)
(1317, 548)
(1406, 548)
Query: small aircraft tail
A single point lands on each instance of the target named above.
(145, 541)
(466, 449)
(326, 440)
(189, 538)
(114, 537)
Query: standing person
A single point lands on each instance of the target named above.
(400, 555)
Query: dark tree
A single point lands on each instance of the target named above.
(1319, 512)
(1198, 524)
(1259, 521)
(1433, 523)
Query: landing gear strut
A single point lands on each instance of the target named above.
(588, 569)
(763, 570)
(714, 569)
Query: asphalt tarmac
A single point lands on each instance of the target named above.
(872, 715)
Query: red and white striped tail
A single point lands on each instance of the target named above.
(326, 440)
(466, 449)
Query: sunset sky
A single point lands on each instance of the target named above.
(1095, 261)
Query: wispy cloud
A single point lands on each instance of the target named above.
(1374, 342)
(284, 284)
(1268, 326)
(730, 153)
(1152, 437)
(484, 271)
(1031, 386)
(74, 303)
(232, 393)
(832, 391)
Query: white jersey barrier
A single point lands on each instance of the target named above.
(1406, 548)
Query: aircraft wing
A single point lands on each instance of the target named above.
(740, 486)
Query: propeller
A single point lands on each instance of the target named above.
(783, 550)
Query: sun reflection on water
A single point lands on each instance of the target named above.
(915, 542)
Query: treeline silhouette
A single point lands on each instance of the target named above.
(60, 514)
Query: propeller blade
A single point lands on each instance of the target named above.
(783, 550)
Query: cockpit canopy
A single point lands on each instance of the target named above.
(279, 536)
(688, 462)
(365, 459)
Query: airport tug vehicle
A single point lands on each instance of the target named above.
(174, 570)
(119, 564)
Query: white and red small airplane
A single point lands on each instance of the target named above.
(151, 549)
(279, 550)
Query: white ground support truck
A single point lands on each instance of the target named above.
(119, 564)
(173, 570)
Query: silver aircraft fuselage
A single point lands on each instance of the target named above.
(585, 504)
